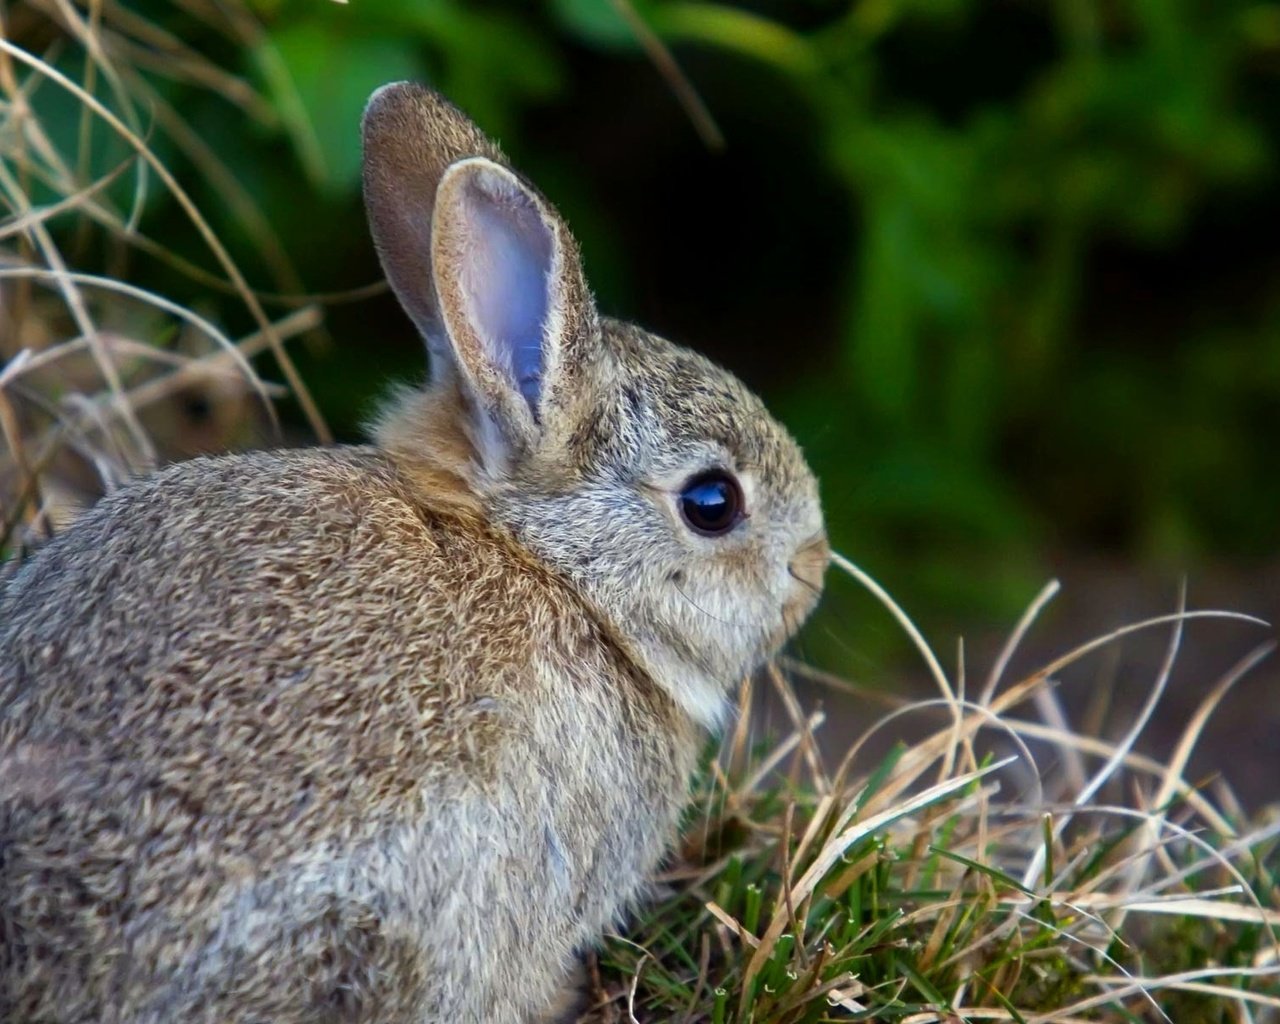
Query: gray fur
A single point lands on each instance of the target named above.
(387, 733)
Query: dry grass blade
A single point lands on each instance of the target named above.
(88, 418)
(75, 303)
(209, 329)
(1047, 594)
(1172, 782)
(687, 96)
(1113, 763)
(210, 238)
(1131, 986)
(904, 620)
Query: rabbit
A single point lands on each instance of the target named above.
(391, 733)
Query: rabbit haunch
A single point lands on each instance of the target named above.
(391, 733)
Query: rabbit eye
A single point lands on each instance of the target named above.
(711, 503)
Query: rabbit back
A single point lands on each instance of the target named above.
(280, 743)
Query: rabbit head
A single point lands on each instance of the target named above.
(651, 478)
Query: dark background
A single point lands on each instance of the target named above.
(1008, 269)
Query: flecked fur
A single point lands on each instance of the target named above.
(387, 733)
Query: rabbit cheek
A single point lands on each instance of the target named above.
(803, 587)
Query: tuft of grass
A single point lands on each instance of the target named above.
(1004, 869)
(101, 379)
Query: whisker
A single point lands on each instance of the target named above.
(713, 618)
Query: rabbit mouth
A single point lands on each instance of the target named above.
(806, 569)
(795, 609)
(794, 612)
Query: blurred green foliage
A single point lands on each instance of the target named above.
(1008, 267)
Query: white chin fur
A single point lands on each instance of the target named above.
(701, 696)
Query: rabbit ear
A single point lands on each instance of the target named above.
(482, 264)
(411, 136)
(512, 298)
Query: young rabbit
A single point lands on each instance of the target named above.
(389, 733)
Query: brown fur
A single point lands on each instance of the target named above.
(388, 733)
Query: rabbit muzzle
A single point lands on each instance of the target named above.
(806, 569)
(809, 564)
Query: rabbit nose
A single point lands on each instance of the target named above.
(809, 564)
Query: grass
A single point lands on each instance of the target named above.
(1005, 868)
(101, 379)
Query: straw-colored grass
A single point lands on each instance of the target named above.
(959, 879)
(101, 379)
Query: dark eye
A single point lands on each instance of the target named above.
(711, 503)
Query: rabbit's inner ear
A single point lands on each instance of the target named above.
(495, 257)
(504, 279)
